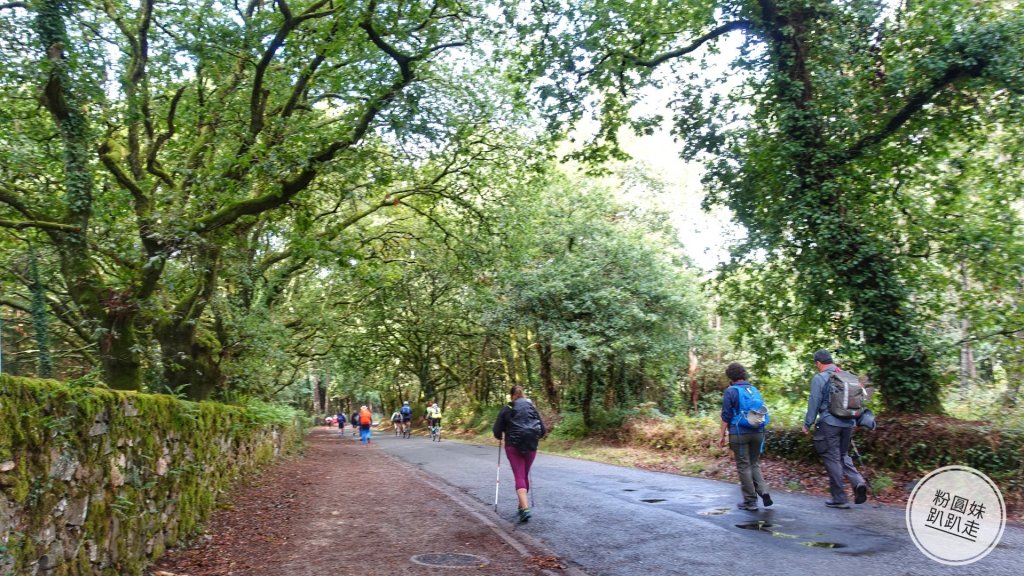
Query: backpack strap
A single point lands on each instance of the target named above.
(736, 412)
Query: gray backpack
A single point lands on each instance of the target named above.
(847, 396)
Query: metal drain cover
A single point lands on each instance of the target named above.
(448, 560)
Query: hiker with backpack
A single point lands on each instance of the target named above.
(836, 402)
(520, 426)
(339, 418)
(744, 419)
(365, 422)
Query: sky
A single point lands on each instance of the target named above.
(705, 235)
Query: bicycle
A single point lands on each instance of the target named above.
(406, 429)
(435, 433)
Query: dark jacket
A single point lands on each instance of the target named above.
(504, 424)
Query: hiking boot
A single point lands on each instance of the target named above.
(524, 514)
(767, 499)
(860, 494)
(751, 506)
(839, 505)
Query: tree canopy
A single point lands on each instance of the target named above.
(222, 200)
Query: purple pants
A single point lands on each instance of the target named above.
(520, 465)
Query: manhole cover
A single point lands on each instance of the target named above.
(451, 560)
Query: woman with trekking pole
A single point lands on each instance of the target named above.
(520, 428)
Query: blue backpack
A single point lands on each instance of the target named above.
(406, 411)
(752, 412)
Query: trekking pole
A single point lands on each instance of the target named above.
(529, 481)
(497, 476)
(860, 462)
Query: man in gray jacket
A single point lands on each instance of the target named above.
(832, 436)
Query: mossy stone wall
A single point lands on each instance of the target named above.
(98, 482)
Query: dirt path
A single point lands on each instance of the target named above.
(344, 508)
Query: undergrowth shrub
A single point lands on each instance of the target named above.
(683, 433)
(907, 443)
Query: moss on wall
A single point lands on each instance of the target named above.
(94, 481)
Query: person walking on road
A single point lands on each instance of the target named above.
(520, 425)
(340, 419)
(355, 422)
(745, 440)
(832, 436)
(365, 422)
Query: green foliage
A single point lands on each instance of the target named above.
(824, 134)
(570, 427)
(267, 414)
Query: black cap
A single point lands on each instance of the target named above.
(823, 356)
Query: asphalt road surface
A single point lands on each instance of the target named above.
(609, 520)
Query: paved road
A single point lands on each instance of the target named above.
(609, 520)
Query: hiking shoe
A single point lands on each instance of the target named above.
(767, 499)
(524, 514)
(860, 494)
(751, 506)
(839, 505)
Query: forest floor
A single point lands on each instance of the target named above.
(343, 508)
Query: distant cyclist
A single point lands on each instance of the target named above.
(406, 412)
(433, 415)
(396, 421)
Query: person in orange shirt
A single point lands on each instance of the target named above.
(365, 422)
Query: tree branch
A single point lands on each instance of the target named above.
(152, 165)
(693, 46)
(40, 224)
(17, 203)
(913, 105)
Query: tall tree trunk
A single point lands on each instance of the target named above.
(694, 383)
(190, 365)
(39, 318)
(967, 369)
(546, 376)
(119, 352)
(586, 406)
(1015, 372)
(531, 380)
(513, 352)
(113, 313)
(314, 391)
(862, 264)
